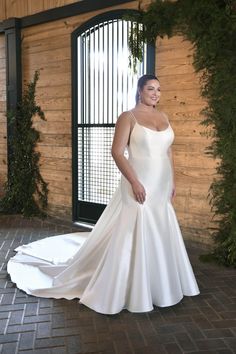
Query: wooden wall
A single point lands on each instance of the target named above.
(46, 48)
(182, 101)
(20, 8)
(3, 128)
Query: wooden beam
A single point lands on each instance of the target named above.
(70, 10)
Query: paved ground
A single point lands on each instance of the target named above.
(202, 324)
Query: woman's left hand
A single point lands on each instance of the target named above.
(173, 193)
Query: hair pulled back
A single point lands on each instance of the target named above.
(142, 82)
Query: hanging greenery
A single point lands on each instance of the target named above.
(25, 191)
(211, 27)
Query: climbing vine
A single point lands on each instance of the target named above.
(25, 191)
(211, 27)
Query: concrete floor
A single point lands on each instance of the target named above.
(201, 324)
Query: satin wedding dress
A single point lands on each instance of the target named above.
(133, 258)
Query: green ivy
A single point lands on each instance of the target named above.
(25, 191)
(211, 27)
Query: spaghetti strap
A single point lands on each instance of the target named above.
(133, 116)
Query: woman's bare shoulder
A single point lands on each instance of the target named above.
(125, 118)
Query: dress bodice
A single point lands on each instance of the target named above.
(149, 143)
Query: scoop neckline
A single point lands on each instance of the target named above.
(153, 130)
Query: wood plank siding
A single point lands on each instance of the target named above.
(20, 8)
(180, 87)
(47, 47)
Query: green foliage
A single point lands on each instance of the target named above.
(26, 191)
(211, 27)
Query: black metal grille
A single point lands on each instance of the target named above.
(106, 87)
(98, 177)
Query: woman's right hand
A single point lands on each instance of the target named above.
(139, 192)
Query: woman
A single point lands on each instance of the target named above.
(135, 256)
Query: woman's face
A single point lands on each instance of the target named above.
(150, 94)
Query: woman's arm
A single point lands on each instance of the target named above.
(120, 141)
(173, 194)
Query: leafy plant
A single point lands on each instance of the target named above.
(211, 27)
(25, 191)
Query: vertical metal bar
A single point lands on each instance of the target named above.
(82, 112)
(102, 74)
(127, 71)
(91, 55)
(89, 75)
(89, 140)
(117, 66)
(98, 59)
(117, 71)
(108, 71)
(85, 121)
(131, 76)
(85, 73)
(121, 81)
(87, 135)
(103, 82)
(78, 79)
(84, 116)
(76, 115)
(112, 66)
(122, 66)
(85, 113)
(150, 58)
(128, 76)
(94, 74)
(83, 84)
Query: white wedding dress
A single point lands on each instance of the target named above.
(133, 258)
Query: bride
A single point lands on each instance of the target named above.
(134, 257)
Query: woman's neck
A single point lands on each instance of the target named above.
(143, 107)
